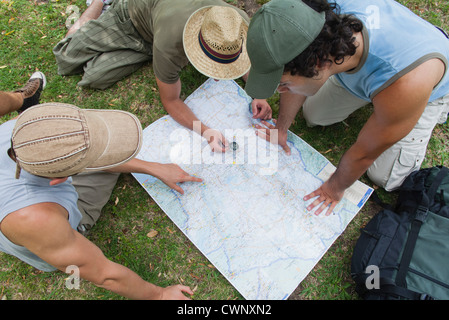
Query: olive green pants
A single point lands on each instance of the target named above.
(104, 50)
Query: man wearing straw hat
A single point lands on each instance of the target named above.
(58, 166)
(108, 46)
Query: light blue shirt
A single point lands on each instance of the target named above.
(28, 190)
(397, 41)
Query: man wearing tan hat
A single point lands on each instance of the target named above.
(58, 166)
(108, 46)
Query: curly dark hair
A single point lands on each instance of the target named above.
(336, 40)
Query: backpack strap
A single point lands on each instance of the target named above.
(391, 289)
(437, 181)
(420, 217)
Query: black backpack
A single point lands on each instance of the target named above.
(403, 252)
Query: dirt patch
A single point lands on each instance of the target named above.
(249, 6)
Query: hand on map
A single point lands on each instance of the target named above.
(328, 197)
(261, 109)
(267, 133)
(216, 140)
(171, 174)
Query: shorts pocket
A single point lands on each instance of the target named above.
(406, 163)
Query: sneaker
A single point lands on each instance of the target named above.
(84, 229)
(32, 90)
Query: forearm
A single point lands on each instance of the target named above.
(138, 166)
(127, 283)
(176, 108)
(289, 106)
(61, 246)
(351, 167)
(183, 115)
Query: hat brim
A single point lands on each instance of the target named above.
(116, 138)
(263, 85)
(202, 62)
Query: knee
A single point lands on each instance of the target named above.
(312, 116)
(391, 168)
(96, 82)
(388, 182)
(316, 115)
(377, 177)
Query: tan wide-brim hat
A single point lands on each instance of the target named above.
(57, 140)
(214, 41)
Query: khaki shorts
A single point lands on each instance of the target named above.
(333, 103)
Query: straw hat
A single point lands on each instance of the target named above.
(214, 41)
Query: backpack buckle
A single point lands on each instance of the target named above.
(421, 213)
(425, 296)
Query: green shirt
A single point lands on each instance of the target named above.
(161, 22)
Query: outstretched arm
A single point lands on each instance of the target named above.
(181, 113)
(170, 174)
(43, 229)
(397, 109)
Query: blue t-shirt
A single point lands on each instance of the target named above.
(28, 190)
(396, 41)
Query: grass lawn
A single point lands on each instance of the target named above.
(28, 32)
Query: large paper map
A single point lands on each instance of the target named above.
(247, 216)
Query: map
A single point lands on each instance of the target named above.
(247, 216)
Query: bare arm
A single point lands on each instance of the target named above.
(289, 106)
(396, 111)
(170, 174)
(181, 113)
(44, 230)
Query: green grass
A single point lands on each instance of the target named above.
(28, 32)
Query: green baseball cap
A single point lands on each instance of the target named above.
(279, 31)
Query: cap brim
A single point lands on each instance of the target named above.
(203, 63)
(117, 137)
(263, 85)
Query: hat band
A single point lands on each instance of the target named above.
(216, 56)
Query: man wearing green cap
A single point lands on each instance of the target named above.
(332, 59)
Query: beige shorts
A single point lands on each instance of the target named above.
(333, 103)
